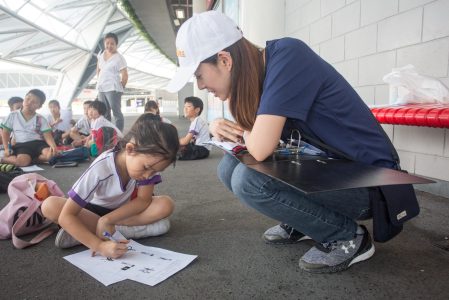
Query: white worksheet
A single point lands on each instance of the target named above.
(148, 265)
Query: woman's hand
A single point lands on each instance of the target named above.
(226, 130)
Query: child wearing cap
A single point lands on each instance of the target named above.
(270, 92)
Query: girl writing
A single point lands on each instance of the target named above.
(116, 192)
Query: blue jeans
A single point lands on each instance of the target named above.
(113, 100)
(325, 217)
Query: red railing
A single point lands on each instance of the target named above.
(429, 115)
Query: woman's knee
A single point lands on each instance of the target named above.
(226, 168)
(248, 184)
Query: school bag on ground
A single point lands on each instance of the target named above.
(105, 138)
(73, 155)
(7, 173)
(23, 215)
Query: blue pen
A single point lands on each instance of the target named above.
(110, 237)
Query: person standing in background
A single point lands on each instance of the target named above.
(112, 74)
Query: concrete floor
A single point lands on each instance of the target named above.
(233, 261)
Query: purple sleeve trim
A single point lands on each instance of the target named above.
(193, 132)
(75, 197)
(153, 180)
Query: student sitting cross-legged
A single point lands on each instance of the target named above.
(151, 107)
(116, 192)
(81, 130)
(193, 144)
(102, 132)
(32, 133)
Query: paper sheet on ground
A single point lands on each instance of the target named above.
(148, 265)
(32, 168)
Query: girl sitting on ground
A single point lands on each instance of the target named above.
(102, 132)
(151, 107)
(116, 192)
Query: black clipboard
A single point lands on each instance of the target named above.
(312, 174)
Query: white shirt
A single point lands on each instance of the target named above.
(64, 125)
(109, 76)
(101, 121)
(101, 185)
(83, 125)
(200, 131)
(26, 131)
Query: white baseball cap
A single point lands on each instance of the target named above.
(200, 37)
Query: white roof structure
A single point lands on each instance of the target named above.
(59, 39)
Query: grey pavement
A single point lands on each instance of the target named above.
(233, 262)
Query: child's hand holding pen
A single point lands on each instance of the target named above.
(112, 247)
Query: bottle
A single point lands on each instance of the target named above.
(93, 148)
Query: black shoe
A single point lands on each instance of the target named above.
(339, 255)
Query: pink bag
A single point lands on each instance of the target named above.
(23, 215)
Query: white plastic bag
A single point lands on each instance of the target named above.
(407, 86)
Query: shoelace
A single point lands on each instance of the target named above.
(327, 247)
(290, 230)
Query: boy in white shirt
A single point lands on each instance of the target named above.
(32, 132)
(59, 121)
(81, 130)
(193, 145)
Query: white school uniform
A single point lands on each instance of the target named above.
(101, 185)
(64, 125)
(26, 130)
(100, 122)
(200, 131)
(83, 125)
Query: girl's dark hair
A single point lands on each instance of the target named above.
(152, 136)
(151, 104)
(247, 77)
(111, 35)
(99, 106)
(55, 102)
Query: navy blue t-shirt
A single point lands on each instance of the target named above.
(319, 102)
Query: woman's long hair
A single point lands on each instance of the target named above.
(247, 77)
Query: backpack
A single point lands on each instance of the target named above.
(23, 215)
(73, 155)
(105, 138)
(7, 174)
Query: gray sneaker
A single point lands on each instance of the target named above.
(283, 234)
(338, 256)
(65, 240)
